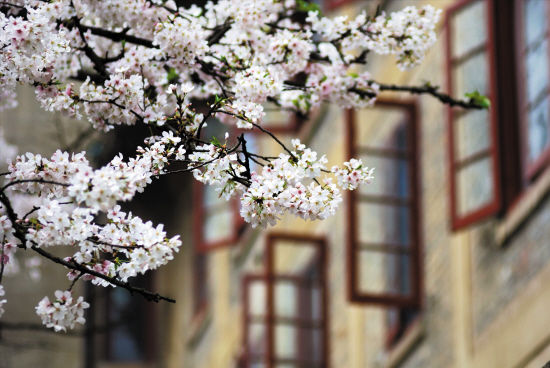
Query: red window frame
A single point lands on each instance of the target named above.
(460, 221)
(530, 169)
(353, 246)
(270, 319)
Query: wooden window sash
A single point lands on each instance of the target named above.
(412, 248)
(531, 169)
(493, 206)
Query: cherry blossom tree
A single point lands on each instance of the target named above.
(173, 69)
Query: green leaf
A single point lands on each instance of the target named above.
(215, 142)
(306, 6)
(479, 99)
(172, 75)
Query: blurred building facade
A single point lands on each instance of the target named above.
(443, 261)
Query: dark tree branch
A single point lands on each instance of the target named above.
(150, 296)
(433, 91)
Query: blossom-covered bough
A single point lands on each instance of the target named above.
(152, 62)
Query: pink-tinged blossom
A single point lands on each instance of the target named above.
(63, 313)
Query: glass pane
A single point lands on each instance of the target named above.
(286, 338)
(469, 28)
(391, 177)
(311, 344)
(380, 223)
(218, 225)
(257, 298)
(472, 133)
(535, 20)
(471, 75)
(211, 197)
(315, 312)
(252, 146)
(538, 130)
(257, 365)
(286, 298)
(257, 338)
(294, 257)
(370, 132)
(475, 186)
(128, 316)
(537, 71)
(381, 272)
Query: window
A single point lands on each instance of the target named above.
(122, 326)
(285, 310)
(131, 338)
(473, 149)
(383, 247)
(533, 72)
(217, 222)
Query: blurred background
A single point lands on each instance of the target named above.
(443, 261)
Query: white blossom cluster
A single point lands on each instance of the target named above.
(123, 62)
(352, 174)
(72, 194)
(408, 33)
(281, 186)
(63, 313)
(247, 48)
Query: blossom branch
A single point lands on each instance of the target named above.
(150, 296)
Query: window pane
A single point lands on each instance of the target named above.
(370, 132)
(471, 133)
(469, 28)
(256, 339)
(392, 177)
(286, 298)
(218, 225)
(535, 20)
(258, 365)
(211, 197)
(315, 303)
(311, 344)
(294, 257)
(475, 186)
(538, 130)
(382, 272)
(380, 223)
(471, 75)
(537, 71)
(257, 298)
(285, 341)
